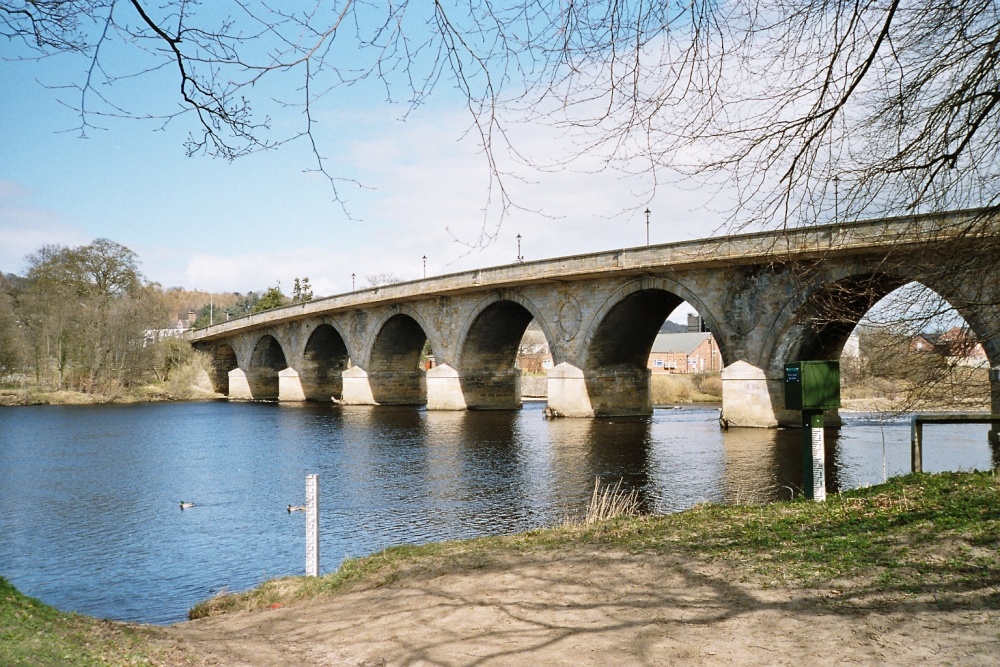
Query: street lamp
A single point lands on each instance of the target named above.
(647, 225)
(425, 266)
(352, 282)
(520, 258)
(836, 198)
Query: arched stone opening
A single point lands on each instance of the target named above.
(223, 361)
(323, 363)
(897, 340)
(489, 377)
(616, 374)
(830, 315)
(267, 360)
(394, 372)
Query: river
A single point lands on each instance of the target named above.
(89, 495)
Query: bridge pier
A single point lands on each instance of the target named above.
(444, 389)
(752, 399)
(239, 387)
(567, 392)
(399, 387)
(290, 386)
(747, 396)
(264, 384)
(356, 389)
(618, 391)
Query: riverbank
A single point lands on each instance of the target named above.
(10, 397)
(901, 573)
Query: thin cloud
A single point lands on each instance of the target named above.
(25, 227)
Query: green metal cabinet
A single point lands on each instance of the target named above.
(812, 385)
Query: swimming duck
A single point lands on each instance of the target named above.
(296, 508)
(185, 505)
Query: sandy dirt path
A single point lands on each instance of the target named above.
(594, 608)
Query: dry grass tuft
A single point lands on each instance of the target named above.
(610, 502)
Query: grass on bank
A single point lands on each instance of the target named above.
(936, 534)
(33, 634)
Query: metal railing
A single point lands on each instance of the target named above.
(917, 430)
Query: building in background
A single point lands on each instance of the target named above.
(692, 352)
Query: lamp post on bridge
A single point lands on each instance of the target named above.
(647, 225)
(836, 198)
(520, 258)
(425, 266)
(352, 282)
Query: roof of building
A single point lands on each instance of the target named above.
(678, 343)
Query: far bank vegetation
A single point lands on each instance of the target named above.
(83, 325)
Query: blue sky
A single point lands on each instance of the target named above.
(206, 223)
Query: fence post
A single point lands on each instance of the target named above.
(312, 525)
(916, 444)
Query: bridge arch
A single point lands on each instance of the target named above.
(393, 362)
(654, 283)
(325, 357)
(376, 329)
(618, 343)
(489, 343)
(223, 360)
(820, 322)
(266, 361)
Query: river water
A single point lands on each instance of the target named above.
(89, 495)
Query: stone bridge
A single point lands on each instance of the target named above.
(767, 297)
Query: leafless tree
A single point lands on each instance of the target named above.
(809, 108)
(382, 279)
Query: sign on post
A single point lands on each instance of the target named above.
(312, 525)
(812, 387)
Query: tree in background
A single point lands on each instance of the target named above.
(245, 305)
(13, 348)
(84, 316)
(382, 279)
(302, 290)
(272, 298)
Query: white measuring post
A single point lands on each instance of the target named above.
(818, 460)
(312, 525)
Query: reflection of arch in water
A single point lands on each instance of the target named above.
(765, 465)
(383, 448)
(488, 450)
